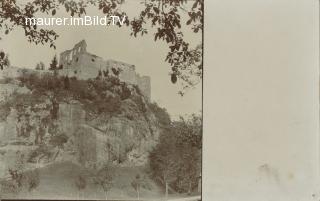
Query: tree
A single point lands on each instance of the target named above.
(42, 66)
(189, 144)
(80, 183)
(163, 161)
(106, 73)
(104, 178)
(115, 71)
(137, 183)
(32, 179)
(38, 66)
(66, 82)
(4, 60)
(54, 63)
(16, 172)
(58, 140)
(189, 130)
(99, 76)
(163, 18)
(176, 160)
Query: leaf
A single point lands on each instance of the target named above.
(67, 7)
(105, 9)
(6, 32)
(2, 55)
(156, 10)
(53, 12)
(173, 78)
(172, 47)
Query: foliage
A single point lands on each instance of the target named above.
(99, 96)
(8, 187)
(37, 66)
(125, 91)
(163, 158)
(32, 179)
(161, 114)
(40, 66)
(66, 82)
(41, 150)
(16, 174)
(55, 109)
(18, 179)
(104, 178)
(164, 17)
(4, 111)
(59, 140)
(4, 59)
(189, 130)
(54, 63)
(176, 160)
(80, 182)
(137, 183)
(140, 103)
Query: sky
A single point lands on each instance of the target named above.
(261, 105)
(114, 43)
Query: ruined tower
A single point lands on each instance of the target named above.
(77, 62)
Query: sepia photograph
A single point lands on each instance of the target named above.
(101, 99)
(160, 100)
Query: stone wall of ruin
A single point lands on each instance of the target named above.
(77, 62)
(144, 84)
(68, 58)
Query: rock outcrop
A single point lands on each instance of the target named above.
(40, 130)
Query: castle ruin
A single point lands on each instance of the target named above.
(79, 63)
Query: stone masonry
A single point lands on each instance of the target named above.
(84, 65)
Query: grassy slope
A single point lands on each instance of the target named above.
(57, 181)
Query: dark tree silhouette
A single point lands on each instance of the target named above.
(104, 178)
(54, 63)
(66, 82)
(4, 60)
(80, 183)
(42, 67)
(38, 66)
(137, 183)
(99, 74)
(106, 73)
(164, 17)
(33, 179)
(176, 160)
(115, 71)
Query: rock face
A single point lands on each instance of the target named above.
(40, 137)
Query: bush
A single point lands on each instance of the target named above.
(32, 179)
(161, 114)
(59, 140)
(4, 111)
(80, 182)
(99, 95)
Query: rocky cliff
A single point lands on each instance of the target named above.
(86, 122)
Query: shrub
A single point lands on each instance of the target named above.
(161, 114)
(4, 111)
(80, 182)
(59, 140)
(32, 179)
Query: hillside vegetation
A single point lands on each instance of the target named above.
(96, 124)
